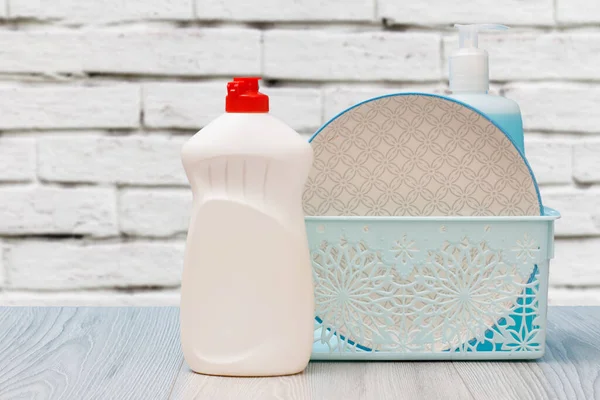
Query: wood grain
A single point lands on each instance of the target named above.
(88, 353)
(332, 380)
(570, 368)
(134, 353)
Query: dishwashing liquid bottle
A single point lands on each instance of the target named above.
(469, 83)
(247, 302)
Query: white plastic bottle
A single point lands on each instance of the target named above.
(247, 302)
(469, 83)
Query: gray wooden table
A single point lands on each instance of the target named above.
(134, 353)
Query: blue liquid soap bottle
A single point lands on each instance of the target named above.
(470, 82)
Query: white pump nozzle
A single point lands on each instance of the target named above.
(469, 69)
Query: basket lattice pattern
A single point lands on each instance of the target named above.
(449, 291)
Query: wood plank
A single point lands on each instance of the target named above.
(332, 380)
(190, 385)
(570, 368)
(414, 380)
(88, 353)
(504, 379)
(572, 361)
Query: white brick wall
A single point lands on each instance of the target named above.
(94, 11)
(103, 298)
(276, 10)
(2, 271)
(17, 159)
(69, 265)
(97, 98)
(154, 212)
(91, 158)
(579, 208)
(138, 50)
(371, 56)
(51, 210)
(575, 263)
(434, 12)
(573, 12)
(586, 166)
(551, 159)
(61, 106)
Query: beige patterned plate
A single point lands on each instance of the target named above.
(417, 154)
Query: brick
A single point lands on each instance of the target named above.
(575, 262)
(51, 210)
(150, 160)
(158, 51)
(61, 265)
(442, 12)
(375, 56)
(182, 105)
(299, 108)
(97, 12)
(566, 107)
(586, 167)
(151, 212)
(573, 297)
(537, 56)
(550, 159)
(577, 11)
(194, 105)
(42, 51)
(69, 107)
(276, 10)
(2, 273)
(176, 52)
(96, 298)
(579, 208)
(338, 98)
(17, 159)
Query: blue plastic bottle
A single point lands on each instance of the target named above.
(469, 83)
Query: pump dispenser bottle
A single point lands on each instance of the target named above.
(469, 83)
(247, 302)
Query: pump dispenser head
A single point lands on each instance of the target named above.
(243, 96)
(469, 66)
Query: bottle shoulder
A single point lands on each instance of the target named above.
(259, 134)
(489, 104)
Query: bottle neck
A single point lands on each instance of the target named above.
(469, 71)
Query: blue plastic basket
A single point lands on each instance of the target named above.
(424, 288)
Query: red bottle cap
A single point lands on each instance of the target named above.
(243, 96)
